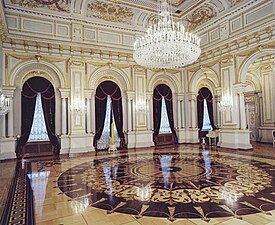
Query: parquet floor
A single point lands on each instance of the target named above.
(169, 185)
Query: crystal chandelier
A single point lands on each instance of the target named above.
(4, 104)
(166, 45)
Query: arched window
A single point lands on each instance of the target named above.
(163, 111)
(164, 121)
(109, 116)
(109, 133)
(205, 110)
(38, 130)
(34, 90)
(206, 125)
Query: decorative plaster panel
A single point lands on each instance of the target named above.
(236, 24)
(109, 37)
(62, 30)
(37, 26)
(89, 34)
(12, 22)
(128, 40)
(259, 13)
(204, 39)
(214, 34)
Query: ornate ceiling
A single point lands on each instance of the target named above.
(137, 13)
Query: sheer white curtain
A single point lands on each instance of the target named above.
(104, 140)
(164, 122)
(38, 130)
(206, 120)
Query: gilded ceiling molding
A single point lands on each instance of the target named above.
(151, 19)
(200, 16)
(56, 5)
(235, 2)
(175, 2)
(110, 12)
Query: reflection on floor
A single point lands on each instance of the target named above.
(169, 185)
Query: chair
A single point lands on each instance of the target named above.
(212, 135)
(273, 136)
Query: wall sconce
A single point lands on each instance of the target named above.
(226, 103)
(78, 106)
(4, 104)
(141, 105)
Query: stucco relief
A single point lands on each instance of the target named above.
(200, 16)
(57, 5)
(110, 12)
(235, 2)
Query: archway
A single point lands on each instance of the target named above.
(256, 71)
(32, 90)
(108, 116)
(205, 111)
(164, 131)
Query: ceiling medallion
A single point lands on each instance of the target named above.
(166, 45)
(57, 5)
(110, 12)
(200, 16)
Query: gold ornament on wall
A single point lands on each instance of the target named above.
(235, 2)
(110, 12)
(200, 16)
(57, 5)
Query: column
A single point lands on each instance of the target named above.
(151, 113)
(133, 115)
(3, 118)
(148, 114)
(10, 119)
(260, 108)
(179, 114)
(88, 115)
(182, 114)
(129, 110)
(69, 115)
(218, 106)
(64, 116)
(189, 113)
(92, 106)
(242, 111)
(125, 115)
(193, 113)
(149, 109)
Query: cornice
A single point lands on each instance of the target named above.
(242, 46)
(70, 18)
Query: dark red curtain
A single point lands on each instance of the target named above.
(165, 91)
(103, 90)
(31, 88)
(205, 93)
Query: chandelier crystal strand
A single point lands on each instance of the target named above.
(4, 104)
(166, 45)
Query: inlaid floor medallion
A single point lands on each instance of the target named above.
(173, 185)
